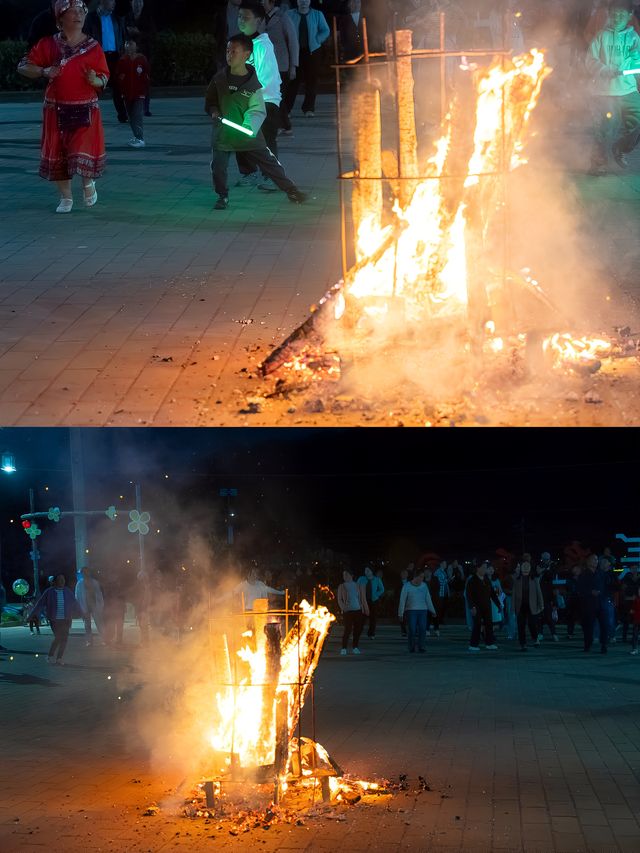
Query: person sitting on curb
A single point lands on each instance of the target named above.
(235, 94)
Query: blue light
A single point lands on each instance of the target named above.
(8, 463)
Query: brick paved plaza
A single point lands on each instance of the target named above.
(154, 309)
(535, 752)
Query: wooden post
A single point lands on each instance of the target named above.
(366, 200)
(398, 46)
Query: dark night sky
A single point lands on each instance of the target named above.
(369, 493)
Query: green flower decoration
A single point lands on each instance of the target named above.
(33, 531)
(54, 513)
(111, 513)
(139, 522)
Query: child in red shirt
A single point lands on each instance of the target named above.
(132, 72)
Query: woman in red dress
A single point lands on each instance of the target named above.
(72, 134)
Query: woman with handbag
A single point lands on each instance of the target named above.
(72, 134)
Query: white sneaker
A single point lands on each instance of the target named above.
(474, 648)
(136, 143)
(64, 205)
(633, 652)
(343, 651)
(356, 651)
(492, 648)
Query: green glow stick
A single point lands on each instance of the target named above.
(631, 71)
(236, 126)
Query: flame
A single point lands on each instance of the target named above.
(246, 718)
(427, 264)
(565, 348)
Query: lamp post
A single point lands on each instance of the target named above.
(8, 466)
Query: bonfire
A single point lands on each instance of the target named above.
(425, 283)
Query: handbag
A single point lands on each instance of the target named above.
(73, 116)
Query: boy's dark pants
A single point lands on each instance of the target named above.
(270, 128)
(261, 158)
(135, 110)
(621, 129)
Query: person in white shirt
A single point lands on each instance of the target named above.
(251, 589)
(89, 597)
(251, 22)
(415, 601)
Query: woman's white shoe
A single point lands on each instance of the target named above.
(90, 200)
(65, 205)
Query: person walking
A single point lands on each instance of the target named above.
(108, 29)
(312, 30)
(592, 590)
(352, 602)
(140, 27)
(235, 95)
(374, 590)
(133, 81)
(629, 593)
(441, 595)
(72, 135)
(544, 573)
(91, 602)
(613, 50)
(528, 603)
(60, 607)
(635, 620)
(3, 601)
(415, 602)
(251, 23)
(480, 595)
(404, 580)
(497, 611)
(572, 612)
(283, 35)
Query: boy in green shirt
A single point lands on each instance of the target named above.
(235, 94)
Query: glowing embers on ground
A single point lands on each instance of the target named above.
(421, 263)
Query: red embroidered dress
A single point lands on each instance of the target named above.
(81, 150)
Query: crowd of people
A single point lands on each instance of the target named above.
(251, 98)
(492, 598)
(594, 594)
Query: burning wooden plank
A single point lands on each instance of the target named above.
(398, 48)
(366, 200)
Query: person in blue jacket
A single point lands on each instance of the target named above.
(60, 606)
(374, 590)
(313, 30)
(592, 589)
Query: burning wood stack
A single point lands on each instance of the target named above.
(262, 689)
(424, 259)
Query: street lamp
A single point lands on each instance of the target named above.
(8, 462)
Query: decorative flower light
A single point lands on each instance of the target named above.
(54, 513)
(33, 530)
(20, 587)
(111, 513)
(139, 522)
